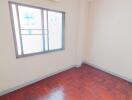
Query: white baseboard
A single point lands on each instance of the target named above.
(110, 72)
(34, 81)
(78, 65)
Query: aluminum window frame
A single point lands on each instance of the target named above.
(42, 19)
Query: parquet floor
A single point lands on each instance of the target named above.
(84, 83)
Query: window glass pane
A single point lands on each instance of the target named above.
(46, 40)
(45, 20)
(17, 33)
(31, 32)
(30, 18)
(55, 30)
(32, 43)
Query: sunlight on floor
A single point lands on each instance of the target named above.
(57, 94)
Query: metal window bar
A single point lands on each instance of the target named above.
(32, 34)
(31, 29)
(47, 29)
(63, 30)
(42, 22)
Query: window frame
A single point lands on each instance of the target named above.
(14, 34)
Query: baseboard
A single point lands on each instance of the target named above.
(110, 72)
(34, 81)
(78, 65)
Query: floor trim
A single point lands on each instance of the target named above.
(34, 81)
(110, 72)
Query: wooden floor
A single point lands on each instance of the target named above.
(84, 83)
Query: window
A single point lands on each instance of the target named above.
(36, 30)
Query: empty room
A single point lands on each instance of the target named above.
(65, 49)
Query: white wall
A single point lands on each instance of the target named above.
(15, 72)
(82, 30)
(109, 39)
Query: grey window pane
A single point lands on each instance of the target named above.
(55, 30)
(30, 18)
(32, 43)
(31, 32)
(45, 19)
(16, 29)
(46, 40)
